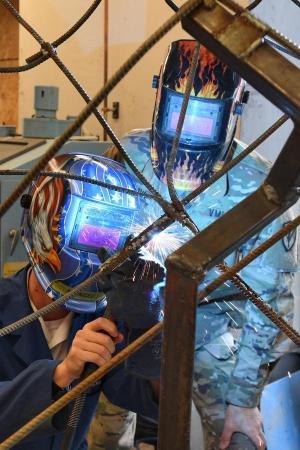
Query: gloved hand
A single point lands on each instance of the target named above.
(134, 292)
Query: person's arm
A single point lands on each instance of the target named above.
(90, 345)
(25, 396)
(271, 276)
(37, 386)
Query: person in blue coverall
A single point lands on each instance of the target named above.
(234, 341)
(65, 222)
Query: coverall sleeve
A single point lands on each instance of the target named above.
(270, 275)
(25, 396)
(130, 392)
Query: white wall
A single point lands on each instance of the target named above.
(259, 114)
(283, 15)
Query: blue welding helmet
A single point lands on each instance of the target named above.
(69, 220)
(209, 126)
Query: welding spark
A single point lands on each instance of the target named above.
(164, 242)
(226, 344)
(232, 319)
(229, 306)
(234, 306)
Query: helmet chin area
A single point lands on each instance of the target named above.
(82, 307)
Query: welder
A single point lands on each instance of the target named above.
(65, 223)
(234, 341)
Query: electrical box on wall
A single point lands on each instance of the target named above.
(44, 124)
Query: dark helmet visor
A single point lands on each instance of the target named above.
(205, 120)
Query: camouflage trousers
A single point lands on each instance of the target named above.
(112, 428)
(211, 376)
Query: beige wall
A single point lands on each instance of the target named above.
(9, 56)
(130, 22)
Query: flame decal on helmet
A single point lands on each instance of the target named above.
(214, 79)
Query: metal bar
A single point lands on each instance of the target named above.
(238, 41)
(177, 370)
(105, 61)
(226, 234)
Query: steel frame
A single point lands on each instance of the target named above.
(238, 40)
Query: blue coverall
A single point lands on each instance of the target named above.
(26, 373)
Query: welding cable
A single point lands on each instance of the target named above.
(171, 160)
(145, 236)
(40, 57)
(186, 9)
(138, 193)
(73, 420)
(138, 343)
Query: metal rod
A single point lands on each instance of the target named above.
(105, 62)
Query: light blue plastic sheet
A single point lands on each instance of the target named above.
(280, 407)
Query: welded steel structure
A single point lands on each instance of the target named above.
(237, 38)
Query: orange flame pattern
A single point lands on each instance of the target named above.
(206, 82)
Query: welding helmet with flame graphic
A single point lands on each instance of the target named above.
(67, 221)
(209, 126)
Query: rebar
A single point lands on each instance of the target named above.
(172, 157)
(138, 193)
(186, 9)
(40, 57)
(145, 236)
(80, 388)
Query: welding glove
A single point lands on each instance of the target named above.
(134, 294)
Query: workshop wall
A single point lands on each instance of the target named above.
(260, 113)
(130, 22)
(9, 55)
